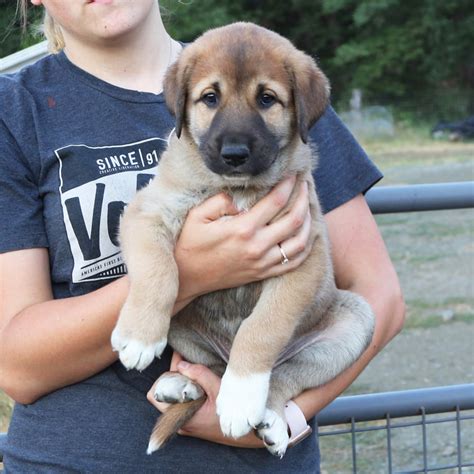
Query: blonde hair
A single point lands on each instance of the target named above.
(49, 29)
(52, 33)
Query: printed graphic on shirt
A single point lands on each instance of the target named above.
(96, 183)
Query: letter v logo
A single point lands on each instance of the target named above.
(89, 244)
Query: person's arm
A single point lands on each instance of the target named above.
(46, 344)
(362, 265)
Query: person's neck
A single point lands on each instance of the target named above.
(137, 61)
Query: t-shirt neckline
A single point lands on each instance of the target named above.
(120, 93)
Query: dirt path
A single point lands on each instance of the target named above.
(422, 357)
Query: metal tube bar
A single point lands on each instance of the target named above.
(425, 450)
(389, 444)
(399, 404)
(354, 448)
(421, 197)
(458, 439)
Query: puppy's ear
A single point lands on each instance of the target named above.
(311, 91)
(175, 90)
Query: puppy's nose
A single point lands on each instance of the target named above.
(235, 154)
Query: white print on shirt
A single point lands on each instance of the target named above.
(96, 183)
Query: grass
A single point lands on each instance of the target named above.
(425, 322)
(6, 406)
(370, 449)
(428, 160)
(410, 139)
(428, 314)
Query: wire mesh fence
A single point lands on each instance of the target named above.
(360, 433)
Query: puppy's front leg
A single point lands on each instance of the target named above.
(142, 328)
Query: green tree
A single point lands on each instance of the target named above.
(415, 55)
(12, 36)
(417, 52)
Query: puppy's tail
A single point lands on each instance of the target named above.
(171, 421)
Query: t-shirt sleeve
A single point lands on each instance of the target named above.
(344, 170)
(21, 210)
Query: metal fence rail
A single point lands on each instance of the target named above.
(455, 400)
(421, 197)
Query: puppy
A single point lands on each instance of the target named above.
(244, 99)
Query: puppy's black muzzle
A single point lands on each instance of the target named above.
(235, 154)
(238, 145)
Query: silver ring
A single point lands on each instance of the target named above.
(284, 258)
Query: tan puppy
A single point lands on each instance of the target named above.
(244, 99)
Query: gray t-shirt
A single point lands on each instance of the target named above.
(73, 151)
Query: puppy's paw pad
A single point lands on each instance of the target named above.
(241, 402)
(138, 355)
(274, 432)
(176, 388)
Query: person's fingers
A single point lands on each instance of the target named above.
(214, 208)
(175, 360)
(162, 406)
(287, 225)
(205, 377)
(292, 264)
(270, 205)
(296, 244)
(296, 249)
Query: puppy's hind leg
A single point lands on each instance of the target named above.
(142, 328)
(184, 395)
(344, 335)
(348, 328)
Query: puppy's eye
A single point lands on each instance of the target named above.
(266, 100)
(210, 99)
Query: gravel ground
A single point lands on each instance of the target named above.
(422, 357)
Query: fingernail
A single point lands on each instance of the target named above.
(183, 365)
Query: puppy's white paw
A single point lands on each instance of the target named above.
(176, 388)
(241, 402)
(273, 431)
(135, 354)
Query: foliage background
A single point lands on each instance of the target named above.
(417, 56)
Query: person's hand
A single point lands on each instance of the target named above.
(205, 423)
(214, 253)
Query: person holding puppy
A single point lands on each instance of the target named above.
(81, 132)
